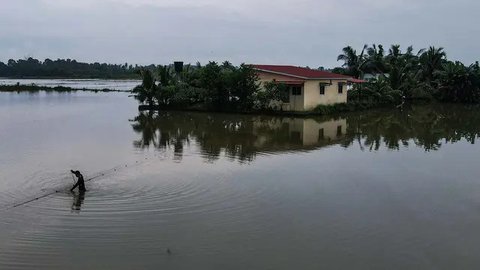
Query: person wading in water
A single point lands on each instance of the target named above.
(80, 183)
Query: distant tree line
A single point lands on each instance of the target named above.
(66, 68)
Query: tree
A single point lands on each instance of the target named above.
(243, 87)
(458, 83)
(352, 62)
(431, 60)
(148, 91)
(375, 60)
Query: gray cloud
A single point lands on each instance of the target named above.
(305, 32)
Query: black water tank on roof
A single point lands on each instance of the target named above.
(178, 66)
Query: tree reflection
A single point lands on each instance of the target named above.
(424, 126)
(242, 137)
(238, 137)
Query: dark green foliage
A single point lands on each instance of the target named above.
(354, 64)
(405, 76)
(33, 88)
(271, 96)
(458, 83)
(64, 68)
(378, 91)
(148, 92)
(243, 87)
(214, 87)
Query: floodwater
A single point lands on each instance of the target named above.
(382, 189)
(93, 84)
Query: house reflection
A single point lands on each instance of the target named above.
(242, 137)
(302, 132)
(235, 136)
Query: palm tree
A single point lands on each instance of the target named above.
(352, 62)
(431, 60)
(148, 91)
(375, 62)
(458, 83)
(166, 75)
(402, 69)
(147, 125)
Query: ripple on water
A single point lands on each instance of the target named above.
(117, 204)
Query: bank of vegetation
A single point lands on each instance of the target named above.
(212, 87)
(66, 68)
(33, 88)
(394, 77)
(399, 76)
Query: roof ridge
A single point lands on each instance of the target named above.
(305, 72)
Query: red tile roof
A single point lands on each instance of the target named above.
(299, 72)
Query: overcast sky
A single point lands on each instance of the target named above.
(304, 32)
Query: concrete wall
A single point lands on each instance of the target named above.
(311, 130)
(313, 97)
(306, 132)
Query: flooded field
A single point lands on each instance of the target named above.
(384, 189)
(93, 84)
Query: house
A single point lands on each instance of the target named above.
(308, 88)
(302, 133)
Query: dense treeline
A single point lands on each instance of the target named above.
(59, 89)
(65, 68)
(219, 87)
(396, 75)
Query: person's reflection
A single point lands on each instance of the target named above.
(78, 199)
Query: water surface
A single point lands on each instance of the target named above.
(93, 84)
(372, 190)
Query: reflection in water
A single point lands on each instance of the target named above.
(243, 136)
(237, 136)
(78, 199)
(424, 126)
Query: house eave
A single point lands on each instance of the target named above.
(299, 77)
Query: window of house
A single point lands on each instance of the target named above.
(322, 89)
(339, 130)
(321, 134)
(296, 91)
(340, 88)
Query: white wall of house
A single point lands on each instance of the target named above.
(308, 132)
(313, 98)
(310, 96)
